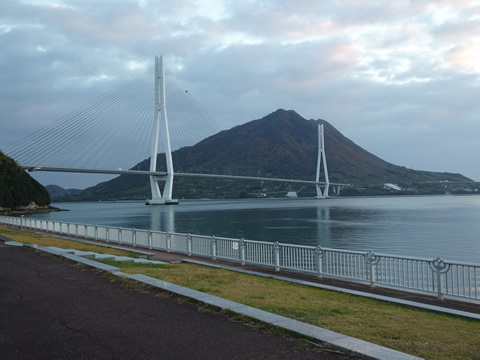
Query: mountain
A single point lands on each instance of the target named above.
(281, 145)
(58, 193)
(18, 190)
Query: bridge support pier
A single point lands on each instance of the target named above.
(157, 197)
(161, 114)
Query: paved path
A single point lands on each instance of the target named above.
(51, 309)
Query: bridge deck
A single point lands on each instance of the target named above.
(32, 168)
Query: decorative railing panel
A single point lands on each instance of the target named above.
(112, 234)
(228, 249)
(257, 252)
(345, 264)
(302, 259)
(177, 242)
(201, 245)
(159, 240)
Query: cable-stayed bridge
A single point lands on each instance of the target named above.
(114, 132)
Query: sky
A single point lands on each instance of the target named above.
(399, 78)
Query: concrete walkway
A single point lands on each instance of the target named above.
(53, 309)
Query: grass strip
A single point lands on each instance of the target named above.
(418, 332)
(43, 240)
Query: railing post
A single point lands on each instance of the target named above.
(242, 250)
(439, 285)
(86, 231)
(276, 251)
(107, 233)
(120, 235)
(150, 239)
(134, 237)
(373, 260)
(96, 232)
(319, 259)
(440, 267)
(189, 244)
(22, 219)
(169, 241)
(213, 242)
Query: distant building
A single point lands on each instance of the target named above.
(392, 187)
(292, 194)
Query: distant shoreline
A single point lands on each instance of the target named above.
(30, 210)
(271, 198)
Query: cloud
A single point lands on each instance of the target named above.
(464, 57)
(392, 75)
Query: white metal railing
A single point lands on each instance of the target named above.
(434, 276)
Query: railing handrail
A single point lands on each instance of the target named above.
(460, 280)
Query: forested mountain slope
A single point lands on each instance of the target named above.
(18, 190)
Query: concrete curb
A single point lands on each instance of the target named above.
(346, 291)
(343, 342)
(76, 258)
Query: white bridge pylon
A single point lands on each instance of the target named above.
(321, 160)
(161, 115)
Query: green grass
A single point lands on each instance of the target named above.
(422, 333)
(42, 240)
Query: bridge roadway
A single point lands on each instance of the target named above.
(31, 168)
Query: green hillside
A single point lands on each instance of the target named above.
(18, 190)
(280, 145)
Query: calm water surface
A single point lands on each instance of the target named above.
(446, 226)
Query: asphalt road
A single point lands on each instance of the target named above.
(53, 309)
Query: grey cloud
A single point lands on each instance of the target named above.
(314, 57)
